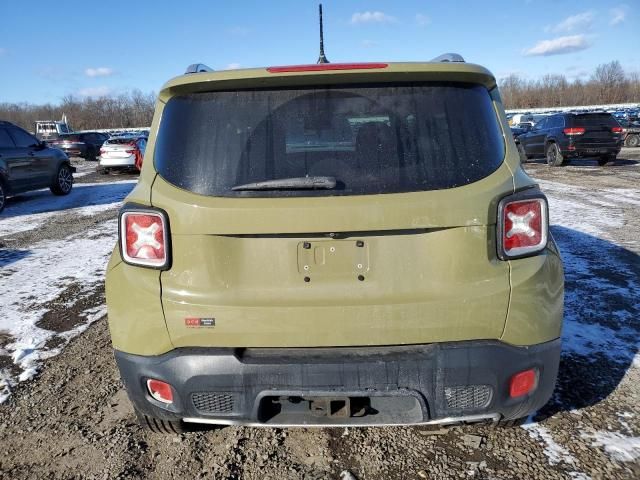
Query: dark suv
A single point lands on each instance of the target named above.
(567, 135)
(26, 163)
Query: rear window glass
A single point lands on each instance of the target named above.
(371, 139)
(121, 141)
(594, 120)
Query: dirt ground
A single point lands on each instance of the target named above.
(73, 420)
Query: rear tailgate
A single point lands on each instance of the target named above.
(240, 269)
(401, 251)
(598, 131)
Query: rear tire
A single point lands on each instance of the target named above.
(554, 156)
(170, 427)
(156, 425)
(522, 152)
(3, 196)
(64, 181)
(632, 140)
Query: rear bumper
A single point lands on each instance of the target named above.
(123, 162)
(436, 383)
(591, 150)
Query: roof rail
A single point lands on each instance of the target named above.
(198, 68)
(448, 57)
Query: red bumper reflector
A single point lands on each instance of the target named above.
(320, 67)
(161, 391)
(522, 383)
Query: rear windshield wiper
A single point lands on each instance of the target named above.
(295, 183)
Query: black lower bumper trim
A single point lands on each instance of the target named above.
(342, 386)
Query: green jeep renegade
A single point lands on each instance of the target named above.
(334, 244)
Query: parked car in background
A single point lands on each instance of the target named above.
(630, 132)
(26, 163)
(564, 136)
(123, 152)
(85, 144)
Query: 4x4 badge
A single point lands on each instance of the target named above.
(200, 322)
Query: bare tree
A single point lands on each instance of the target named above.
(134, 109)
(608, 84)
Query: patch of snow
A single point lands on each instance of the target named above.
(34, 209)
(592, 324)
(40, 277)
(14, 225)
(617, 446)
(596, 273)
(555, 452)
(579, 209)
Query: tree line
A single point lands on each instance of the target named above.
(134, 109)
(608, 84)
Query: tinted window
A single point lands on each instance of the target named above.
(555, 122)
(594, 120)
(372, 139)
(122, 141)
(5, 139)
(22, 138)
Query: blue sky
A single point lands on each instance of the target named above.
(49, 49)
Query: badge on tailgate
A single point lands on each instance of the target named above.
(333, 258)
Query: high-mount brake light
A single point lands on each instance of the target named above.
(144, 238)
(320, 67)
(573, 131)
(523, 225)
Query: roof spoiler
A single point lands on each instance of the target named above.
(198, 68)
(448, 57)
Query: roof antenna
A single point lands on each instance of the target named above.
(322, 58)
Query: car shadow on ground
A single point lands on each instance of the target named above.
(601, 332)
(82, 195)
(10, 255)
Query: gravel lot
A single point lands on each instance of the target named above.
(73, 420)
